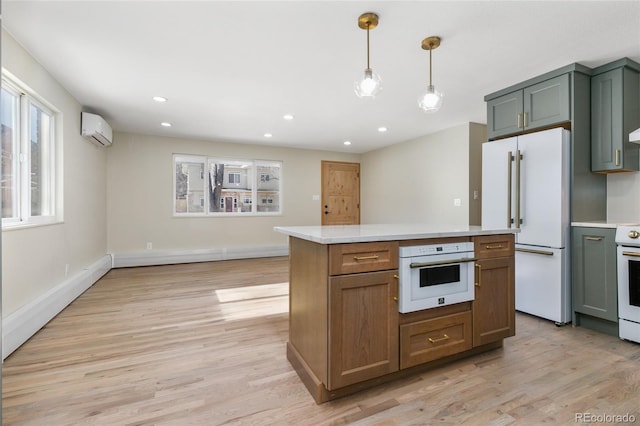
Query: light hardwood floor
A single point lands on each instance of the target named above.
(204, 344)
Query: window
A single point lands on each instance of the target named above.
(226, 186)
(28, 164)
(234, 178)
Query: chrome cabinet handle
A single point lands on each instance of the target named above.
(594, 238)
(617, 157)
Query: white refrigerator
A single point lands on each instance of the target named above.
(525, 185)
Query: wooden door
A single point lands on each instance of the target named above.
(340, 193)
(363, 327)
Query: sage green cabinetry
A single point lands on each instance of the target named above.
(594, 279)
(534, 107)
(615, 112)
(561, 97)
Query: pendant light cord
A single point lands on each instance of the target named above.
(430, 62)
(368, 25)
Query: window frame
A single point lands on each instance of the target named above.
(50, 167)
(253, 181)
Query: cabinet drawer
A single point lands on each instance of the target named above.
(362, 257)
(493, 246)
(436, 338)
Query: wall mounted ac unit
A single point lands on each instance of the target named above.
(94, 128)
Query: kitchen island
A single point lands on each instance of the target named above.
(346, 332)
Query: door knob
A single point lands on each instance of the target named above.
(326, 212)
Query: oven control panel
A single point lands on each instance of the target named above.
(435, 249)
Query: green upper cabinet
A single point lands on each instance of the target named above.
(615, 112)
(533, 107)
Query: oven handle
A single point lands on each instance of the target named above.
(631, 253)
(442, 262)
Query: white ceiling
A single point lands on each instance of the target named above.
(231, 69)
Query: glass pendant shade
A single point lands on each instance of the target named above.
(369, 85)
(430, 100)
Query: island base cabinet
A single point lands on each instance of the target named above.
(436, 338)
(363, 327)
(494, 304)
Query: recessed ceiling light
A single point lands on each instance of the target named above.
(347, 143)
(382, 129)
(268, 135)
(288, 117)
(159, 99)
(165, 124)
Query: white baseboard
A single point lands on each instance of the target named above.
(168, 257)
(20, 325)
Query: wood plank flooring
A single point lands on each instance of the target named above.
(204, 344)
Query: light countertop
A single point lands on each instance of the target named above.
(339, 234)
(602, 224)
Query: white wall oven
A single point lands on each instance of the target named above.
(628, 240)
(435, 275)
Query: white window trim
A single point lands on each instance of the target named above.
(254, 191)
(22, 161)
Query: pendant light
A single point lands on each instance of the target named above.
(430, 100)
(369, 85)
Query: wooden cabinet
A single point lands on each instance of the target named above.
(615, 112)
(362, 257)
(345, 330)
(363, 327)
(435, 338)
(594, 278)
(494, 303)
(534, 107)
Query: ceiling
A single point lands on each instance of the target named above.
(232, 69)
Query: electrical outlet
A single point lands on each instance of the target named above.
(149, 246)
(66, 269)
(457, 202)
(315, 198)
(475, 194)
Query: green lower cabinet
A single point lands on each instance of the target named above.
(594, 279)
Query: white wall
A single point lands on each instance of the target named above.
(34, 259)
(140, 191)
(417, 181)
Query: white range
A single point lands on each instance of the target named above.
(628, 240)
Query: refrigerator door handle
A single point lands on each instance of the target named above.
(509, 188)
(518, 219)
(532, 251)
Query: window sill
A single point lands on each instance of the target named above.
(22, 225)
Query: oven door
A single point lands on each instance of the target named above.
(438, 280)
(629, 283)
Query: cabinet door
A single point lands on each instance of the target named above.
(363, 327)
(494, 304)
(615, 108)
(606, 111)
(546, 103)
(504, 115)
(595, 287)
